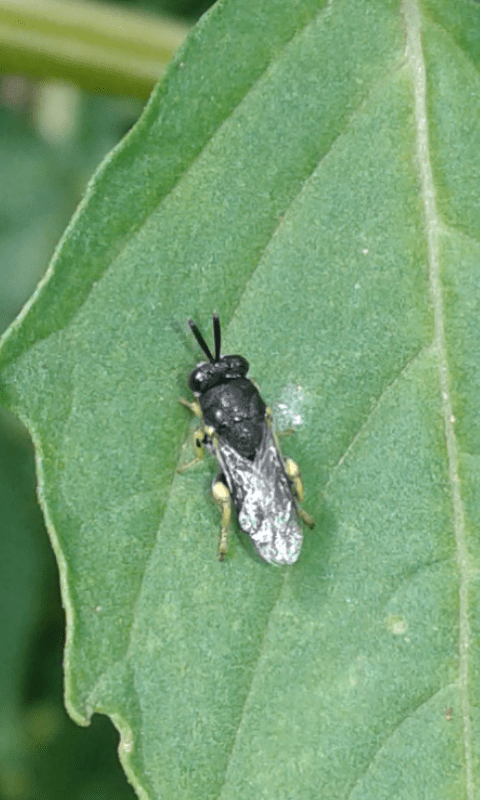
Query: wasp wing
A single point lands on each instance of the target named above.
(263, 499)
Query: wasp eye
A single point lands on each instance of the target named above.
(197, 380)
(235, 366)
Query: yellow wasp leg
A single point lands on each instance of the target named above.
(198, 439)
(292, 469)
(223, 498)
(308, 520)
(194, 407)
(198, 436)
(295, 477)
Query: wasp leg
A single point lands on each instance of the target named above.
(223, 498)
(295, 477)
(198, 440)
(198, 436)
(269, 421)
(194, 407)
(288, 432)
(308, 520)
(276, 434)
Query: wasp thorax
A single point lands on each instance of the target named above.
(211, 373)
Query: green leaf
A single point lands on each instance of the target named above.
(314, 178)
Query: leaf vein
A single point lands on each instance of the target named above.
(367, 418)
(415, 57)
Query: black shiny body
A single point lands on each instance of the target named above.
(236, 411)
(236, 428)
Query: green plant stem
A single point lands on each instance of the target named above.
(99, 47)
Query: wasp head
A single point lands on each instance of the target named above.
(218, 369)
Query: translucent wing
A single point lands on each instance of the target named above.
(263, 499)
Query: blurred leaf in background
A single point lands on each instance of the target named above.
(99, 46)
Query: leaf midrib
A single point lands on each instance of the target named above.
(415, 58)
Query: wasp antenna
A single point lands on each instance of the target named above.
(217, 335)
(201, 341)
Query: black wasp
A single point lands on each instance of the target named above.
(236, 428)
